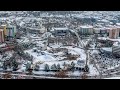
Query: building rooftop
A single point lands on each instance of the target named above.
(64, 28)
(86, 26)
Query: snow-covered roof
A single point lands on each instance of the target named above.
(109, 49)
(86, 26)
(64, 28)
(100, 28)
(104, 20)
(118, 24)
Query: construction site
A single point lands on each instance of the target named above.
(64, 46)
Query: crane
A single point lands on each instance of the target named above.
(85, 48)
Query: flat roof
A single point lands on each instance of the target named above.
(64, 28)
(86, 26)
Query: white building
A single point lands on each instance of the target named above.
(86, 29)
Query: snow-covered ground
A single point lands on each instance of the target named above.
(113, 78)
(93, 70)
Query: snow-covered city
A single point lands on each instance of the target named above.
(59, 44)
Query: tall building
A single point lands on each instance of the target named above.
(4, 28)
(2, 36)
(114, 33)
(86, 30)
(11, 31)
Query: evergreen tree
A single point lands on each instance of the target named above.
(54, 67)
(46, 67)
(28, 66)
(15, 65)
(86, 69)
(4, 66)
(72, 64)
(64, 64)
(58, 67)
(36, 67)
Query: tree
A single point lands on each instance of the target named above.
(64, 64)
(54, 67)
(46, 67)
(15, 65)
(72, 65)
(61, 74)
(28, 66)
(36, 67)
(86, 69)
(58, 67)
(84, 76)
(4, 65)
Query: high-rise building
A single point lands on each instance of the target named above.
(11, 31)
(4, 28)
(114, 33)
(2, 36)
(86, 30)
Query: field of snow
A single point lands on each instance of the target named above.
(45, 57)
(78, 51)
(113, 78)
(93, 70)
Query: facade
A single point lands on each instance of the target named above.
(4, 28)
(114, 33)
(60, 31)
(11, 31)
(86, 30)
(2, 36)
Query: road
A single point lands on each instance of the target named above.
(96, 66)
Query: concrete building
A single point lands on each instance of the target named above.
(36, 30)
(96, 30)
(60, 31)
(114, 33)
(2, 38)
(86, 30)
(101, 31)
(11, 31)
(4, 28)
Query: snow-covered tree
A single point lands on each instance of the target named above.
(54, 67)
(58, 67)
(64, 64)
(36, 67)
(47, 67)
(72, 64)
(28, 66)
(4, 66)
(15, 65)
